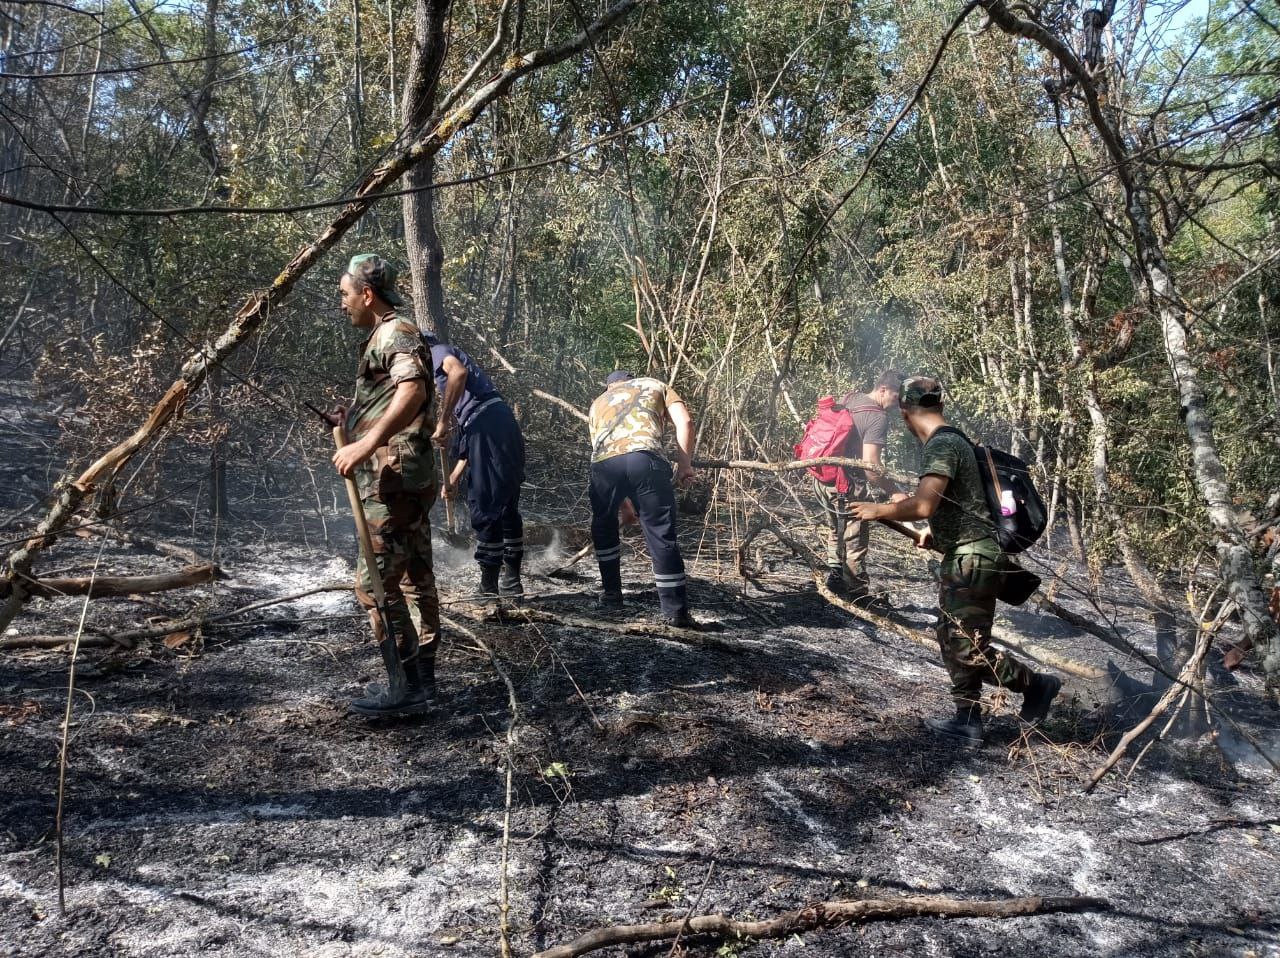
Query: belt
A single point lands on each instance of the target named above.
(492, 401)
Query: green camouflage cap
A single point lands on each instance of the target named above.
(920, 391)
(378, 273)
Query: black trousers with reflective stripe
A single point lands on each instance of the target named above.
(645, 479)
(495, 460)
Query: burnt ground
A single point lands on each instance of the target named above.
(221, 801)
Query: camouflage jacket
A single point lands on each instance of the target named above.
(630, 417)
(393, 353)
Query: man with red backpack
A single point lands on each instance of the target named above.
(857, 427)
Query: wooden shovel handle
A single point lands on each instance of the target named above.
(362, 527)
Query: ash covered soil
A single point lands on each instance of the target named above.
(221, 801)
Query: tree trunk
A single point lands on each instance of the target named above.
(421, 240)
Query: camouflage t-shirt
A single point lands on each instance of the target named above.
(393, 353)
(629, 417)
(962, 515)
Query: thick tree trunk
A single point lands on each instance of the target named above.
(421, 239)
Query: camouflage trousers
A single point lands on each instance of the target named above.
(971, 577)
(401, 533)
(848, 538)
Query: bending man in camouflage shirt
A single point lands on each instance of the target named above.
(626, 423)
(389, 455)
(950, 495)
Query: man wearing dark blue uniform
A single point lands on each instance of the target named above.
(490, 442)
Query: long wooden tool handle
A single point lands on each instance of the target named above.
(915, 535)
(362, 528)
(446, 472)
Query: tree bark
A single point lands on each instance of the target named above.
(421, 238)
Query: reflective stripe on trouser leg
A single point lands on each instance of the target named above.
(608, 487)
(489, 553)
(672, 593)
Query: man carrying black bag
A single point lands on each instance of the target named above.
(952, 497)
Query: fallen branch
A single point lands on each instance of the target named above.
(128, 638)
(826, 914)
(159, 547)
(117, 585)
(504, 613)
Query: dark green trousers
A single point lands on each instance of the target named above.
(971, 576)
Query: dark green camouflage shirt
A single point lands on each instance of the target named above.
(962, 515)
(393, 353)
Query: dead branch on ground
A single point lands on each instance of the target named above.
(503, 613)
(825, 914)
(127, 639)
(116, 585)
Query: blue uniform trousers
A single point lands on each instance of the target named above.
(495, 459)
(645, 479)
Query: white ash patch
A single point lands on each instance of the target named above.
(1041, 856)
(289, 577)
(783, 799)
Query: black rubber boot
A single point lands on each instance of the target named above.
(610, 596)
(675, 608)
(404, 693)
(965, 729)
(509, 583)
(871, 601)
(1038, 698)
(488, 580)
(836, 583)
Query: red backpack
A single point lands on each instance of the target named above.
(827, 434)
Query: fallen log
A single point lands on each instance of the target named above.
(116, 585)
(823, 914)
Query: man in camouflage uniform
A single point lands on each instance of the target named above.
(388, 428)
(951, 496)
(626, 423)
